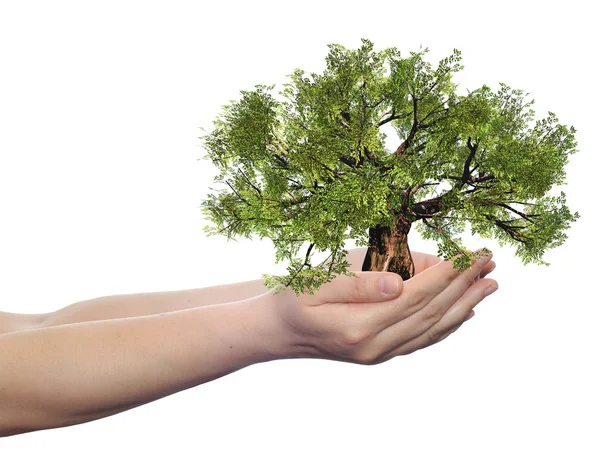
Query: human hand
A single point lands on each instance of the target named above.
(351, 319)
(422, 261)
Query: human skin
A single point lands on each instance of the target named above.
(142, 304)
(58, 374)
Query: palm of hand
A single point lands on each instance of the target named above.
(422, 261)
(351, 319)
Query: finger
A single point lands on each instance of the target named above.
(433, 311)
(459, 313)
(487, 269)
(416, 318)
(424, 261)
(420, 290)
(434, 280)
(463, 307)
(451, 322)
(366, 287)
(415, 345)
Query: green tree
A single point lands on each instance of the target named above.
(311, 166)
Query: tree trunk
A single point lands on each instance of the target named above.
(388, 250)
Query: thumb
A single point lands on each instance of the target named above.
(367, 287)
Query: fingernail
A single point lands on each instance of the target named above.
(485, 254)
(490, 290)
(389, 284)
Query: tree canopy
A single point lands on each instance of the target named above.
(310, 165)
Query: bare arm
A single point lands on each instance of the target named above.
(64, 375)
(68, 374)
(12, 322)
(134, 305)
(143, 304)
(131, 305)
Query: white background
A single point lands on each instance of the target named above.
(100, 109)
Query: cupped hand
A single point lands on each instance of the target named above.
(422, 261)
(357, 320)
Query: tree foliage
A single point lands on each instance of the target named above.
(310, 165)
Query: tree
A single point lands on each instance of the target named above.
(312, 167)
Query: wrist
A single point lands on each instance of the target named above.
(281, 342)
(265, 333)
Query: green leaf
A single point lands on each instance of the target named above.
(310, 166)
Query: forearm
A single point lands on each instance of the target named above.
(135, 305)
(13, 322)
(64, 375)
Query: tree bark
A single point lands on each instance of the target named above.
(388, 250)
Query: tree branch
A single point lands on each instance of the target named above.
(441, 230)
(288, 203)
(282, 161)
(419, 186)
(427, 208)
(510, 230)
(392, 117)
(330, 170)
(402, 148)
(520, 203)
(298, 185)
(523, 215)
(349, 161)
(237, 193)
(250, 182)
(378, 103)
(307, 257)
(471, 181)
(466, 169)
(433, 111)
